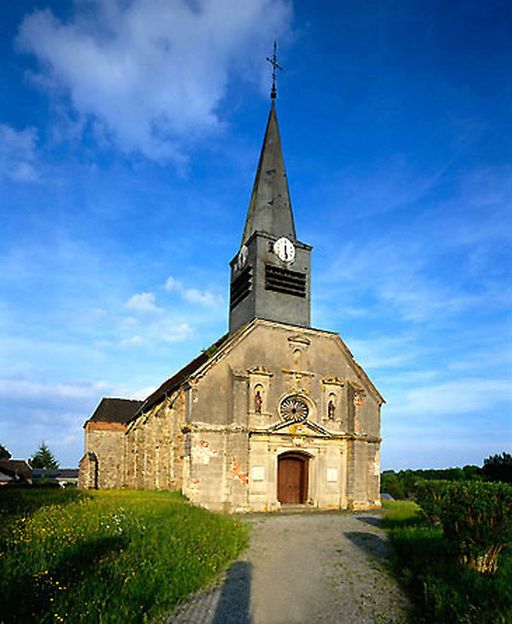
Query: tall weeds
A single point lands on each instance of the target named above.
(109, 557)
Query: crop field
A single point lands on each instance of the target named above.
(443, 591)
(111, 556)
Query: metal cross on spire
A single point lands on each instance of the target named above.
(273, 62)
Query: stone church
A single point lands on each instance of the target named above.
(274, 413)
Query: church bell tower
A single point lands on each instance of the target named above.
(270, 274)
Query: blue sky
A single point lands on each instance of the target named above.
(129, 138)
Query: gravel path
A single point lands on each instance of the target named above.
(305, 569)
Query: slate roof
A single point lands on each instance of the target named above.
(17, 468)
(174, 382)
(115, 410)
(270, 207)
(58, 473)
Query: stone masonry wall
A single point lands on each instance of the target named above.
(88, 472)
(106, 441)
(154, 447)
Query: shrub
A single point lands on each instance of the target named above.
(476, 518)
(429, 496)
(442, 590)
(391, 484)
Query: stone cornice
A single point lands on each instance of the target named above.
(213, 428)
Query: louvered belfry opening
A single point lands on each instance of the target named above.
(285, 281)
(240, 287)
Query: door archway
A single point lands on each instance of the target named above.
(292, 478)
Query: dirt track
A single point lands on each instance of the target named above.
(304, 569)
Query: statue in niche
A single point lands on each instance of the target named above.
(258, 402)
(331, 410)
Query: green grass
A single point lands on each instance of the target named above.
(444, 592)
(112, 556)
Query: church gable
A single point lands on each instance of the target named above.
(256, 375)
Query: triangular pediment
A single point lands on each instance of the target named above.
(306, 427)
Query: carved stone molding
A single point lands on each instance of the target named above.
(333, 381)
(289, 371)
(260, 370)
(239, 374)
(299, 341)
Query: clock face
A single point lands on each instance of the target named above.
(242, 257)
(284, 249)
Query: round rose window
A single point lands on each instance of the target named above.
(294, 408)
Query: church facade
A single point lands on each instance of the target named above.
(275, 413)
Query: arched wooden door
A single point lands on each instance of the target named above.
(292, 478)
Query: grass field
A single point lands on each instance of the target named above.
(443, 591)
(111, 556)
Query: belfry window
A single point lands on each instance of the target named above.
(285, 281)
(241, 287)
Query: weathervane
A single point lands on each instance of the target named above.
(273, 62)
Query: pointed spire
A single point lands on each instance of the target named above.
(270, 208)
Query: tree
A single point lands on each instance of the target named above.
(391, 484)
(498, 468)
(4, 453)
(43, 458)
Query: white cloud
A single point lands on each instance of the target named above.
(151, 75)
(134, 341)
(18, 156)
(382, 352)
(194, 295)
(203, 297)
(139, 394)
(172, 332)
(142, 302)
(171, 283)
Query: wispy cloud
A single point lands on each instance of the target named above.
(383, 352)
(130, 67)
(132, 341)
(457, 396)
(27, 389)
(194, 295)
(18, 154)
(142, 302)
